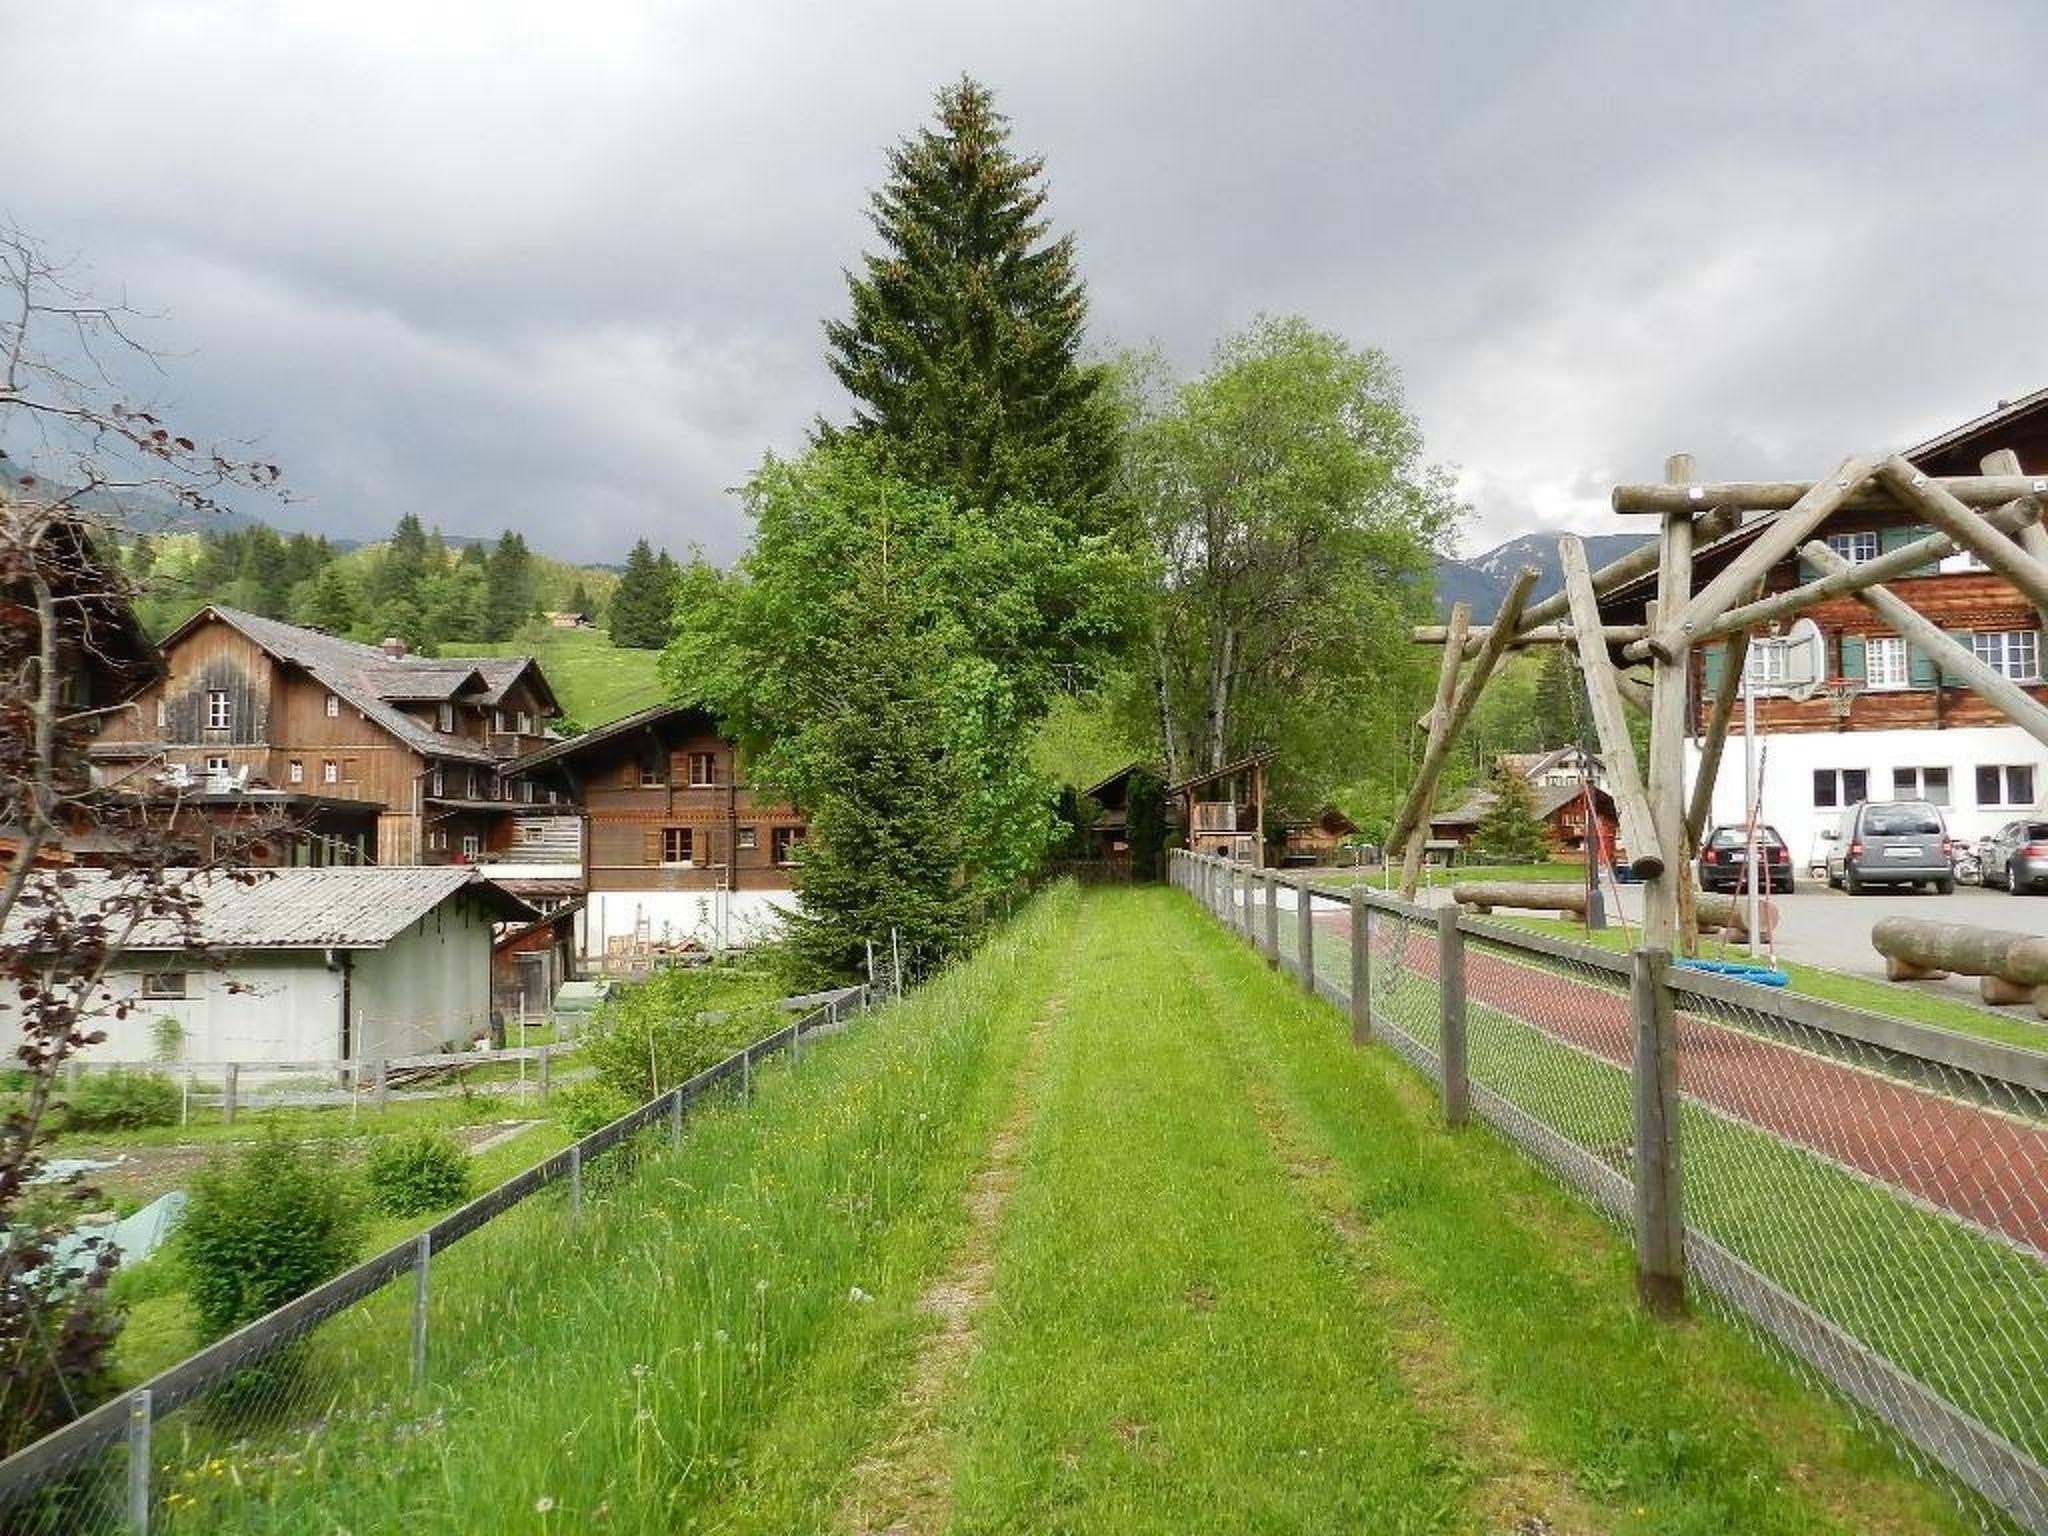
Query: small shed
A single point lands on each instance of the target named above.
(1316, 840)
(1224, 810)
(301, 965)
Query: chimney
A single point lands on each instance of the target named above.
(394, 647)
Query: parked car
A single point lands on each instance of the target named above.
(1893, 842)
(1724, 859)
(2018, 857)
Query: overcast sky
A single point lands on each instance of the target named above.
(563, 266)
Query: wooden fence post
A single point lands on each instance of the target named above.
(546, 1055)
(227, 1103)
(423, 1253)
(1660, 1217)
(675, 1118)
(383, 1082)
(141, 1417)
(1361, 967)
(1450, 971)
(1305, 935)
(575, 1180)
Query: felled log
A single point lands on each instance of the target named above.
(1533, 895)
(1730, 914)
(1962, 948)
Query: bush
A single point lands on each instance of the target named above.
(262, 1227)
(121, 1101)
(589, 1105)
(651, 1037)
(409, 1175)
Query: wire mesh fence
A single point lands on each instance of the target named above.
(1867, 1196)
(241, 1436)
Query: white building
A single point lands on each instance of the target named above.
(305, 965)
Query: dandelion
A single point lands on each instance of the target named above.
(857, 1296)
(544, 1504)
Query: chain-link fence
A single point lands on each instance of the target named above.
(237, 1437)
(1867, 1195)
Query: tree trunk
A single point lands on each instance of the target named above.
(1222, 656)
(1162, 694)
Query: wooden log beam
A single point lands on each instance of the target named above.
(1528, 895)
(1639, 561)
(1603, 696)
(1679, 622)
(1541, 634)
(1967, 528)
(1782, 495)
(1422, 794)
(1635, 693)
(1668, 921)
(2030, 536)
(1730, 914)
(1727, 694)
(1963, 948)
(1994, 687)
(1903, 561)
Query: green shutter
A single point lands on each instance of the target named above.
(1713, 662)
(1919, 667)
(1852, 656)
(1808, 571)
(1964, 638)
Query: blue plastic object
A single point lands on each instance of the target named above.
(1761, 975)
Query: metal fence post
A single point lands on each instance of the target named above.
(139, 1421)
(575, 1180)
(227, 1103)
(1660, 1218)
(1361, 967)
(1305, 935)
(1450, 970)
(422, 1258)
(675, 1117)
(1272, 884)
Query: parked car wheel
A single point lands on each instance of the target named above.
(1945, 887)
(1851, 883)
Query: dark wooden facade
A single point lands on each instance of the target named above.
(666, 807)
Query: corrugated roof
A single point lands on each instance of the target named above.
(361, 907)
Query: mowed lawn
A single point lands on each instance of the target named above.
(1108, 1230)
(596, 681)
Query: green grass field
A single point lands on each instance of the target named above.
(1108, 1230)
(595, 680)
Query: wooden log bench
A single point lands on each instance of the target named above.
(2009, 967)
(1483, 896)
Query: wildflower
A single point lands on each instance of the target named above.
(639, 1369)
(544, 1504)
(857, 1295)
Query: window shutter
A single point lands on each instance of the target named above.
(650, 842)
(1713, 662)
(1965, 638)
(1919, 667)
(631, 774)
(1853, 662)
(1808, 571)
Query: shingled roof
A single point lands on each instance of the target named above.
(363, 907)
(372, 682)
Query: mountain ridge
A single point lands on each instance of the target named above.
(1483, 579)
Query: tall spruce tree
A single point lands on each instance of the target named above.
(509, 578)
(643, 603)
(963, 348)
(1510, 831)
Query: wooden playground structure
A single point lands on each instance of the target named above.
(1644, 661)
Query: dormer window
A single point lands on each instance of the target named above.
(444, 717)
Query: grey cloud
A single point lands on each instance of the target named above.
(564, 267)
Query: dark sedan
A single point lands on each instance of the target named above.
(2018, 857)
(1724, 860)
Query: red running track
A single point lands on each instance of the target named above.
(1976, 1163)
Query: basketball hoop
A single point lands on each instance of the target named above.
(1841, 694)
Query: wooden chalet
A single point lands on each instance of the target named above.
(1889, 723)
(1316, 840)
(249, 703)
(1224, 809)
(1560, 807)
(678, 851)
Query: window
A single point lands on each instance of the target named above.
(348, 770)
(220, 709)
(2005, 784)
(526, 791)
(1855, 547)
(703, 769)
(651, 775)
(472, 784)
(498, 721)
(744, 839)
(295, 771)
(163, 984)
(675, 845)
(330, 771)
(333, 707)
(444, 717)
(438, 784)
(525, 723)
(1884, 662)
(216, 765)
(1840, 787)
(472, 845)
(1766, 668)
(2014, 652)
(1929, 784)
(163, 714)
(437, 842)
(783, 843)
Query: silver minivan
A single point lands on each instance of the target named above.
(1892, 842)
